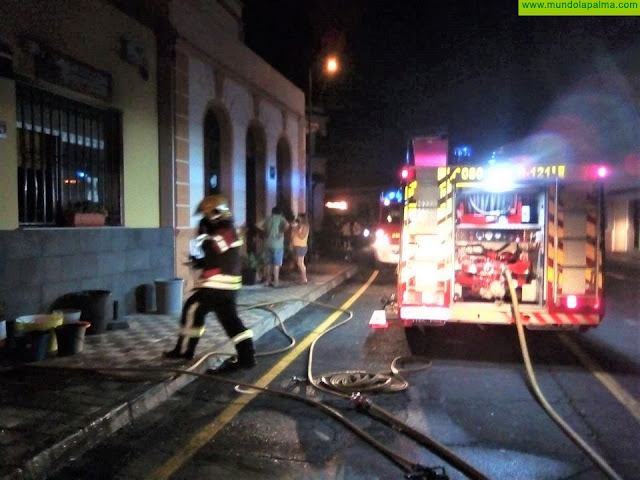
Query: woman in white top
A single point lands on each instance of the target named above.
(299, 238)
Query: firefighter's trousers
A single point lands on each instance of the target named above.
(223, 304)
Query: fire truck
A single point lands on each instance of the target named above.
(386, 237)
(463, 226)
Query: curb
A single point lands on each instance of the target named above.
(64, 451)
(627, 263)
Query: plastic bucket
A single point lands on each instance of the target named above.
(71, 337)
(40, 322)
(70, 315)
(33, 346)
(169, 296)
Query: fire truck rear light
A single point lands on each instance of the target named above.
(581, 303)
(378, 319)
(407, 174)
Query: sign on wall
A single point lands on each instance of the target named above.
(54, 67)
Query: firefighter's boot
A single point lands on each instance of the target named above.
(188, 354)
(245, 359)
(246, 353)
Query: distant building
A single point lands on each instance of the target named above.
(623, 208)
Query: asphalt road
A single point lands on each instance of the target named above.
(472, 397)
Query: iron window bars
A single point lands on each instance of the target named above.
(68, 152)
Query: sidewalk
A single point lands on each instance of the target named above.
(48, 418)
(624, 260)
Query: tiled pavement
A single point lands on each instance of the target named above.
(48, 417)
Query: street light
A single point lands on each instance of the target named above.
(330, 67)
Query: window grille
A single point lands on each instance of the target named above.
(68, 152)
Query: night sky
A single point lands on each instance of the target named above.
(474, 69)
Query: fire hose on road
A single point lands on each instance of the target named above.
(533, 384)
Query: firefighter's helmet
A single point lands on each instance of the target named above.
(214, 206)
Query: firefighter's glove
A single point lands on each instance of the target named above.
(196, 262)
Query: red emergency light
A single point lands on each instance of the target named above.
(581, 303)
(596, 172)
(407, 174)
(602, 171)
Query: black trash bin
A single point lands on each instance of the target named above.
(93, 305)
(169, 296)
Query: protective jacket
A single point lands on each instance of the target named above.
(220, 262)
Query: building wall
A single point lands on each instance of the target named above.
(90, 31)
(242, 108)
(619, 230)
(215, 71)
(8, 149)
(39, 264)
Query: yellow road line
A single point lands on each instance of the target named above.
(210, 431)
(624, 397)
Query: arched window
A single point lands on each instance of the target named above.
(212, 155)
(255, 177)
(283, 175)
(250, 175)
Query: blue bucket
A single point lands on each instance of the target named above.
(33, 346)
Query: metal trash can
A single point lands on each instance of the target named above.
(169, 296)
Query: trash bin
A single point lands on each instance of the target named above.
(169, 296)
(145, 298)
(92, 303)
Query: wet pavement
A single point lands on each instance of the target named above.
(54, 410)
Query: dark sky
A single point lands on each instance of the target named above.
(472, 68)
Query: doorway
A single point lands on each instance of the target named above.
(283, 177)
(255, 167)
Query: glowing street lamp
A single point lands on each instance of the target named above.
(331, 66)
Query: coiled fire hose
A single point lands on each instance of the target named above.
(350, 384)
(533, 384)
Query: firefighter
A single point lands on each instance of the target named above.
(216, 287)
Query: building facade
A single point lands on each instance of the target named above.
(78, 97)
(139, 109)
(239, 124)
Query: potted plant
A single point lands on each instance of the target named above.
(251, 263)
(86, 214)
